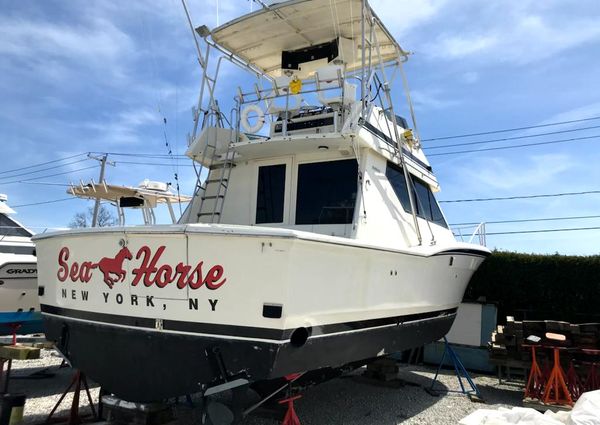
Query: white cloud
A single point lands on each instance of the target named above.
(464, 45)
(49, 48)
(520, 35)
(583, 112)
(402, 16)
(123, 129)
(428, 99)
(586, 111)
(535, 171)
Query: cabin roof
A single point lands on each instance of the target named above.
(260, 37)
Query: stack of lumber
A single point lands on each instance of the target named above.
(507, 340)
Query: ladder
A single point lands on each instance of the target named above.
(212, 191)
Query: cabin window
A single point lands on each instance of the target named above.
(271, 194)
(326, 192)
(9, 227)
(426, 204)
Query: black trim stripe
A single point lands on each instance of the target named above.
(387, 139)
(374, 323)
(116, 319)
(464, 251)
(239, 331)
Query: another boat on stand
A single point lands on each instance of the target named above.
(19, 305)
(313, 243)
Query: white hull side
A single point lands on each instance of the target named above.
(317, 280)
(18, 284)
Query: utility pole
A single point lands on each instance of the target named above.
(103, 162)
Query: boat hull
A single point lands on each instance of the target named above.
(21, 323)
(145, 365)
(152, 314)
(19, 304)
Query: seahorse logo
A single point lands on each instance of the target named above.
(114, 266)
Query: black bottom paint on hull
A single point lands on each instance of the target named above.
(141, 365)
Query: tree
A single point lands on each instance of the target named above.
(84, 218)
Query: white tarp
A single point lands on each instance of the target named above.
(585, 412)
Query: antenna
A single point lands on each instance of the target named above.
(198, 51)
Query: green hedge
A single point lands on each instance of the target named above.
(539, 287)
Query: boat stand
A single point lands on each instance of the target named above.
(14, 327)
(74, 416)
(473, 393)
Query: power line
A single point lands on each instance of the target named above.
(50, 175)
(152, 163)
(42, 163)
(529, 220)
(550, 195)
(43, 169)
(47, 183)
(504, 139)
(141, 155)
(484, 133)
(43, 202)
(571, 229)
(517, 146)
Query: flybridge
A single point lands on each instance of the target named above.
(322, 88)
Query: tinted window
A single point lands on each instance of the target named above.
(11, 228)
(426, 205)
(326, 192)
(271, 194)
(436, 212)
(398, 182)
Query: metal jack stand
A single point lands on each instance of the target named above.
(74, 416)
(461, 373)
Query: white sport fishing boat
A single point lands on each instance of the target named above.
(19, 305)
(313, 241)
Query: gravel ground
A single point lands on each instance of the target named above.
(351, 399)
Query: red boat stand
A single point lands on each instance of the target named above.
(556, 390)
(535, 383)
(573, 382)
(14, 327)
(592, 380)
(74, 416)
(290, 417)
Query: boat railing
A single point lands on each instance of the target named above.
(478, 234)
(289, 98)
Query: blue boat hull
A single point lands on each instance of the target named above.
(31, 322)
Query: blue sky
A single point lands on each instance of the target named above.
(100, 76)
